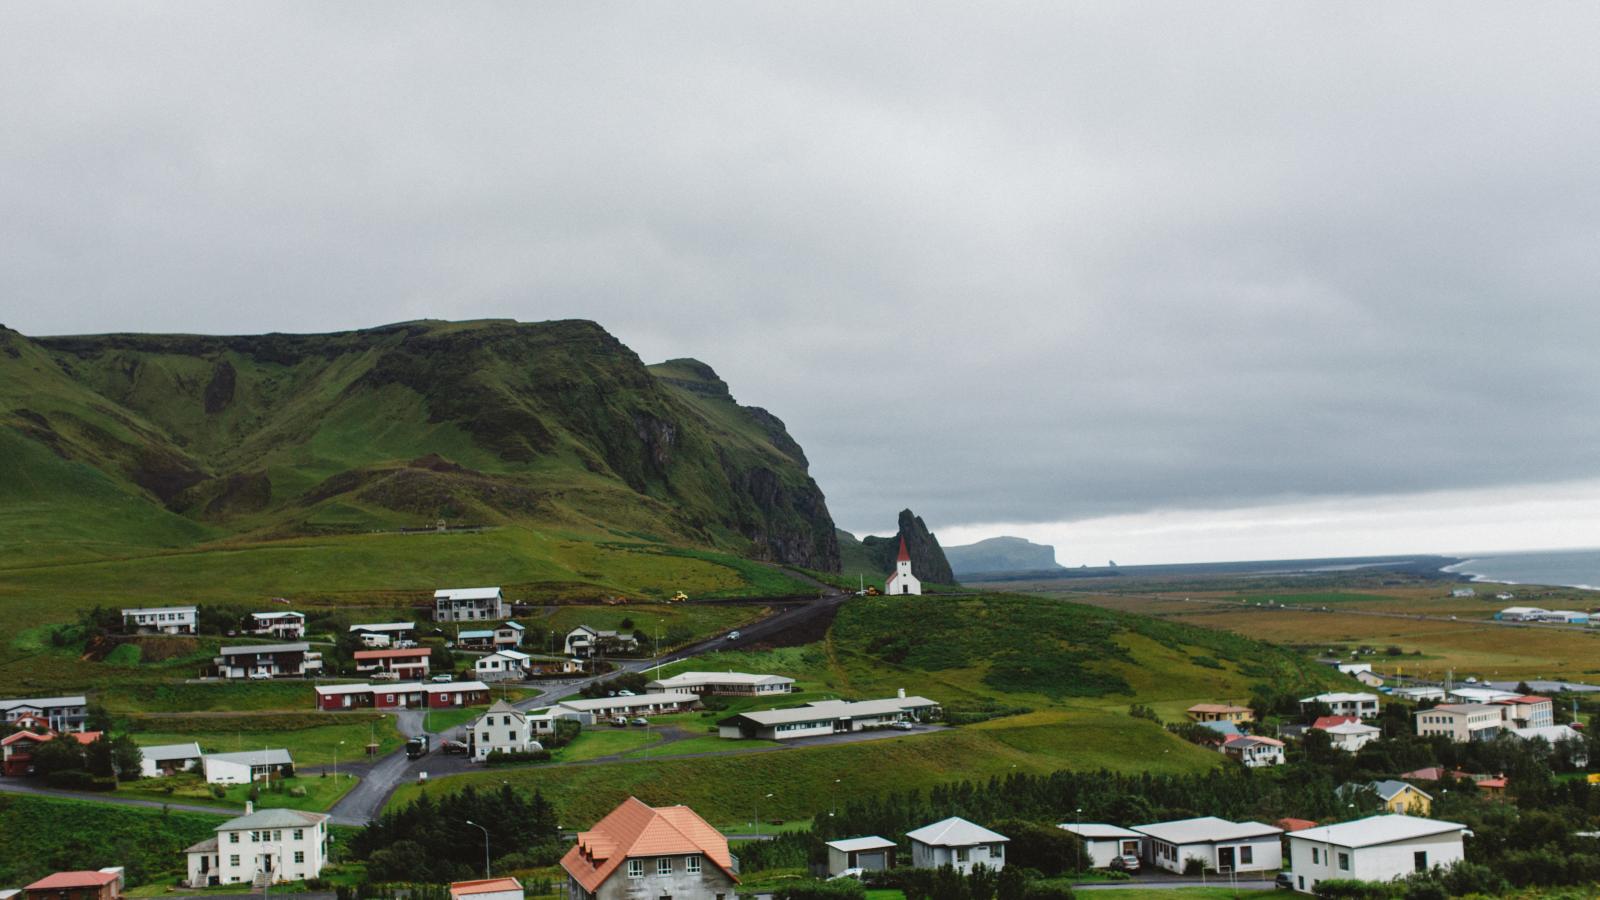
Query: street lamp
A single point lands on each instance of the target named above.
(336, 761)
(758, 815)
(485, 846)
(1077, 845)
(834, 798)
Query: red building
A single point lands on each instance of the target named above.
(106, 884)
(408, 695)
(16, 750)
(403, 664)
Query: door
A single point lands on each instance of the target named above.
(872, 862)
(1224, 859)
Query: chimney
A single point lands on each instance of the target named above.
(901, 693)
(250, 807)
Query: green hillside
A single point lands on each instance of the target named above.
(1040, 685)
(187, 438)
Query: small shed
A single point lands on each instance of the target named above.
(869, 854)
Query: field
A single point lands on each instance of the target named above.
(321, 792)
(46, 835)
(313, 739)
(1067, 709)
(1415, 622)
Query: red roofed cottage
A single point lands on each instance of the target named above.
(644, 852)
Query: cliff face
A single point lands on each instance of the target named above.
(928, 561)
(556, 423)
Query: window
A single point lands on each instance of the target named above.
(233, 860)
(997, 850)
(1419, 860)
(664, 865)
(299, 834)
(255, 836)
(691, 864)
(299, 856)
(233, 837)
(1247, 855)
(635, 868)
(1344, 861)
(961, 854)
(1316, 856)
(1301, 879)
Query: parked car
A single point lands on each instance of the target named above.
(733, 635)
(1284, 881)
(641, 720)
(260, 676)
(619, 721)
(625, 693)
(452, 747)
(903, 726)
(440, 679)
(1126, 863)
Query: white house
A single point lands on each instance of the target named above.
(508, 636)
(407, 663)
(826, 717)
(1340, 703)
(1555, 734)
(590, 710)
(1418, 693)
(502, 665)
(731, 684)
(384, 634)
(284, 844)
(901, 581)
(1255, 751)
(245, 766)
(1481, 695)
(504, 729)
(169, 758)
(285, 626)
(469, 605)
(1351, 736)
(958, 843)
(868, 854)
(1377, 848)
(1464, 592)
(1520, 614)
(584, 642)
(1528, 711)
(1104, 843)
(61, 713)
(161, 619)
(1220, 845)
(1462, 722)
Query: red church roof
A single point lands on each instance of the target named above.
(904, 556)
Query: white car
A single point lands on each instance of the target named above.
(733, 635)
(260, 676)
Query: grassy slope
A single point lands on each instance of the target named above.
(1068, 726)
(44, 836)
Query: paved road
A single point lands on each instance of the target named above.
(380, 779)
(18, 786)
(1163, 885)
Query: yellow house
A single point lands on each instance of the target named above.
(1402, 798)
(1220, 712)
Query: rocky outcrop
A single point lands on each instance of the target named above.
(928, 561)
(1001, 554)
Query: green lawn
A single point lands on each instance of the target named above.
(709, 743)
(321, 792)
(312, 739)
(605, 740)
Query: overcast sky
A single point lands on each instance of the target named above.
(1078, 274)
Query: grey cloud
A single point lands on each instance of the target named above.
(1022, 263)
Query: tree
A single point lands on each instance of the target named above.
(441, 660)
(59, 755)
(127, 757)
(1011, 885)
(99, 759)
(97, 718)
(1034, 846)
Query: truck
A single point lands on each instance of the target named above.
(417, 747)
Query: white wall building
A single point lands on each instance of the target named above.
(502, 665)
(1462, 722)
(166, 759)
(826, 717)
(469, 604)
(1340, 703)
(731, 684)
(268, 661)
(583, 642)
(385, 634)
(1378, 848)
(958, 843)
(286, 626)
(901, 581)
(503, 728)
(1254, 751)
(1104, 843)
(1351, 736)
(590, 710)
(1220, 845)
(62, 713)
(244, 766)
(284, 844)
(161, 619)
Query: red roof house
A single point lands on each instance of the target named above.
(644, 843)
(1326, 722)
(105, 884)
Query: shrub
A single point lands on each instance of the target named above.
(506, 758)
(1047, 890)
(1194, 865)
(842, 889)
(1350, 889)
(218, 791)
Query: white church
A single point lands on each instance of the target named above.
(901, 581)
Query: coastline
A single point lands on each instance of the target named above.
(1464, 569)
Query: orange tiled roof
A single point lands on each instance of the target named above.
(484, 886)
(63, 880)
(635, 829)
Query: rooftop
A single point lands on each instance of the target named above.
(1205, 830)
(64, 880)
(1097, 830)
(479, 593)
(635, 829)
(273, 818)
(263, 757)
(190, 750)
(385, 626)
(484, 886)
(42, 702)
(955, 832)
(1374, 830)
(300, 647)
(393, 654)
(683, 678)
(585, 704)
(858, 844)
(158, 609)
(1217, 708)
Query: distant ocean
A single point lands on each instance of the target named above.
(1569, 568)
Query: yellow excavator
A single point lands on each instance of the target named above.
(679, 597)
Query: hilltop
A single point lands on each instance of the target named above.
(126, 443)
(873, 557)
(1001, 554)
